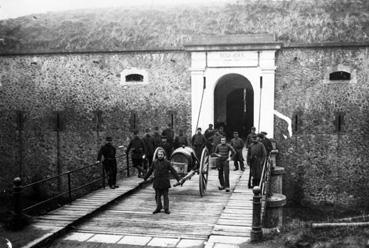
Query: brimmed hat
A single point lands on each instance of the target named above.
(260, 135)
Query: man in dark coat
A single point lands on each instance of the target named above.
(148, 141)
(198, 143)
(161, 168)
(250, 137)
(215, 140)
(109, 162)
(168, 147)
(169, 133)
(266, 142)
(223, 150)
(208, 136)
(157, 138)
(180, 140)
(237, 144)
(209, 132)
(136, 145)
(255, 159)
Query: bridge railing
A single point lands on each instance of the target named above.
(69, 189)
(261, 192)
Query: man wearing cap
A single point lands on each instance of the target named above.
(168, 148)
(266, 142)
(157, 138)
(237, 144)
(255, 159)
(198, 143)
(161, 168)
(148, 141)
(208, 136)
(250, 137)
(137, 146)
(180, 140)
(169, 133)
(109, 162)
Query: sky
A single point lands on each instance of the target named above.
(16, 8)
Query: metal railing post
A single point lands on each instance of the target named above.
(256, 232)
(69, 188)
(127, 158)
(18, 220)
(17, 192)
(103, 175)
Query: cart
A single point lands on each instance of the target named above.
(186, 164)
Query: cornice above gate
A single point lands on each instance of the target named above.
(233, 42)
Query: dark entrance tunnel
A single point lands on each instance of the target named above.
(234, 104)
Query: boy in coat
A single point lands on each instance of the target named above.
(161, 168)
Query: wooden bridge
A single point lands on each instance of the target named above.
(124, 217)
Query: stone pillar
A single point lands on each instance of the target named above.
(277, 180)
(274, 211)
(276, 202)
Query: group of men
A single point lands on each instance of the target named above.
(258, 147)
(142, 150)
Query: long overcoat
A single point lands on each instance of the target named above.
(255, 158)
(162, 169)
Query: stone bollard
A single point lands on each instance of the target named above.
(274, 211)
(256, 232)
(277, 180)
(273, 157)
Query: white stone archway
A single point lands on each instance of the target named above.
(252, 56)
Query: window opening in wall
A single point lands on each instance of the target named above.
(134, 78)
(339, 75)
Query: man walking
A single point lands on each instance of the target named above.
(138, 152)
(180, 140)
(109, 162)
(237, 144)
(157, 138)
(169, 133)
(223, 150)
(161, 168)
(168, 147)
(198, 143)
(250, 137)
(148, 141)
(266, 142)
(255, 159)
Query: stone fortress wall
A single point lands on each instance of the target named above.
(323, 164)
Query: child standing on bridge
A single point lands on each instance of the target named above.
(161, 168)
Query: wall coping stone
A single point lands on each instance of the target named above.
(262, 46)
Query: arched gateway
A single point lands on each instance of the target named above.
(234, 104)
(232, 79)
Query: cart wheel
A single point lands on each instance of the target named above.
(203, 171)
